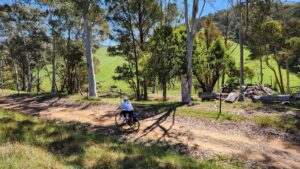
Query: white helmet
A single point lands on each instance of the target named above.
(125, 98)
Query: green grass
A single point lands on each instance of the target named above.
(108, 65)
(27, 142)
(286, 122)
(268, 75)
(8, 91)
(207, 114)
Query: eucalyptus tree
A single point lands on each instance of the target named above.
(274, 42)
(291, 55)
(133, 21)
(190, 25)
(53, 12)
(258, 15)
(23, 27)
(93, 17)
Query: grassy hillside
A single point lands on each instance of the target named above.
(268, 75)
(108, 65)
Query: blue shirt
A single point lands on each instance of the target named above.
(127, 106)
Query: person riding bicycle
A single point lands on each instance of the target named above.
(126, 108)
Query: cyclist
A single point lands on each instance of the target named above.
(126, 108)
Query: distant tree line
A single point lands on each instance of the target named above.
(160, 43)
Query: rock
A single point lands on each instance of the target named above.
(212, 96)
(250, 91)
(273, 99)
(232, 97)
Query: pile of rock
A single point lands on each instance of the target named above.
(250, 91)
(256, 93)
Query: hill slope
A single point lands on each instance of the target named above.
(108, 65)
(268, 75)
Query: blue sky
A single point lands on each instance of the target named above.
(212, 6)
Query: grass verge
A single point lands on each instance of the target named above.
(27, 142)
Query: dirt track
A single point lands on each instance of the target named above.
(198, 137)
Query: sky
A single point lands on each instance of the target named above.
(212, 6)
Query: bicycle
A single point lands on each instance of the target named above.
(122, 121)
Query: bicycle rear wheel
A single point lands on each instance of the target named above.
(135, 125)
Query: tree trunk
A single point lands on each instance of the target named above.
(28, 82)
(145, 90)
(241, 47)
(276, 77)
(186, 97)
(38, 81)
(281, 80)
(28, 75)
(287, 68)
(53, 86)
(137, 74)
(89, 58)
(191, 31)
(223, 79)
(17, 78)
(184, 87)
(153, 89)
(1, 74)
(260, 70)
(138, 91)
(164, 85)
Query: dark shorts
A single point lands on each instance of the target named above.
(129, 113)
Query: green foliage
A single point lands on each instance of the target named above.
(74, 73)
(164, 57)
(210, 58)
(132, 26)
(293, 53)
(126, 74)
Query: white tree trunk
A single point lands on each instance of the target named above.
(186, 96)
(17, 77)
(191, 31)
(28, 74)
(53, 86)
(184, 88)
(89, 58)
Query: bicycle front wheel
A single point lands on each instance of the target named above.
(120, 119)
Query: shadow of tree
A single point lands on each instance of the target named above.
(167, 112)
(151, 110)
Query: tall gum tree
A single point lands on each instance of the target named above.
(133, 22)
(186, 80)
(92, 14)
